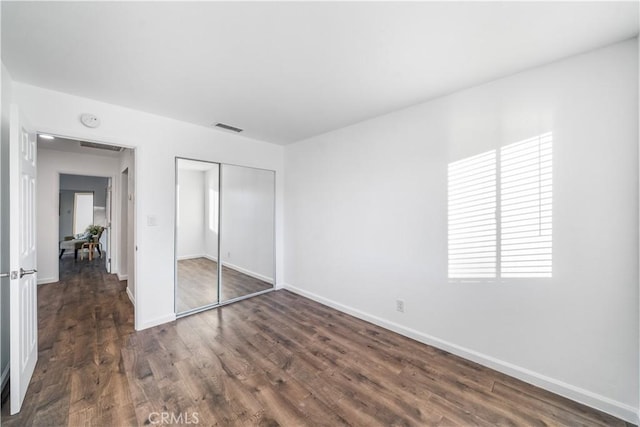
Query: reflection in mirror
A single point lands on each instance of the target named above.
(196, 234)
(247, 224)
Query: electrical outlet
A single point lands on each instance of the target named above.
(400, 305)
(228, 254)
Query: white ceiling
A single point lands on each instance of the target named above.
(285, 71)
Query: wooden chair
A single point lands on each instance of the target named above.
(93, 243)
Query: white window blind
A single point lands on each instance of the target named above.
(500, 212)
(525, 208)
(472, 217)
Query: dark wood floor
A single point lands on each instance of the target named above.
(198, 284)
(276, 359)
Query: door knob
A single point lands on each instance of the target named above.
(24, 272)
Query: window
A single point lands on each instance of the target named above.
(472, 217)
(500, 212)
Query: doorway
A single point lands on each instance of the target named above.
(67, 166)
(85, 218)
(51, 158)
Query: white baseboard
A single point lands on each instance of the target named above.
(45, 280)
(586, 397)
(122, 277)
(130, 295)
(195, 256)
(5, 377)
(248, 272)
(157, 321)
(192, 256)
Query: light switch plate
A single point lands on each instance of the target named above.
(152, 221)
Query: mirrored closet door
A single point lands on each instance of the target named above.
(197, 201)
(224, 243)
(247, 223)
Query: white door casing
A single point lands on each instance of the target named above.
(22, 257)
(108, 228)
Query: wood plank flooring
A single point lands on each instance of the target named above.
(198, 284)
(276, 359)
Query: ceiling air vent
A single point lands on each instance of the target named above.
(100, 146)
(227, 127)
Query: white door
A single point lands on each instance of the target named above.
(22, 257)
(107, 231)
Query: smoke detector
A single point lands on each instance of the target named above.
(89, 120)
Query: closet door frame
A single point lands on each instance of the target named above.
(219, 302)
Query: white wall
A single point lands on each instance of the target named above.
(65, 222)
(158, 141)
(366, 216)
(246, 242)
(50, 165)
(191, 225)
(5, 96)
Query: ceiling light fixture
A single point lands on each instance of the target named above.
(46, 136)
